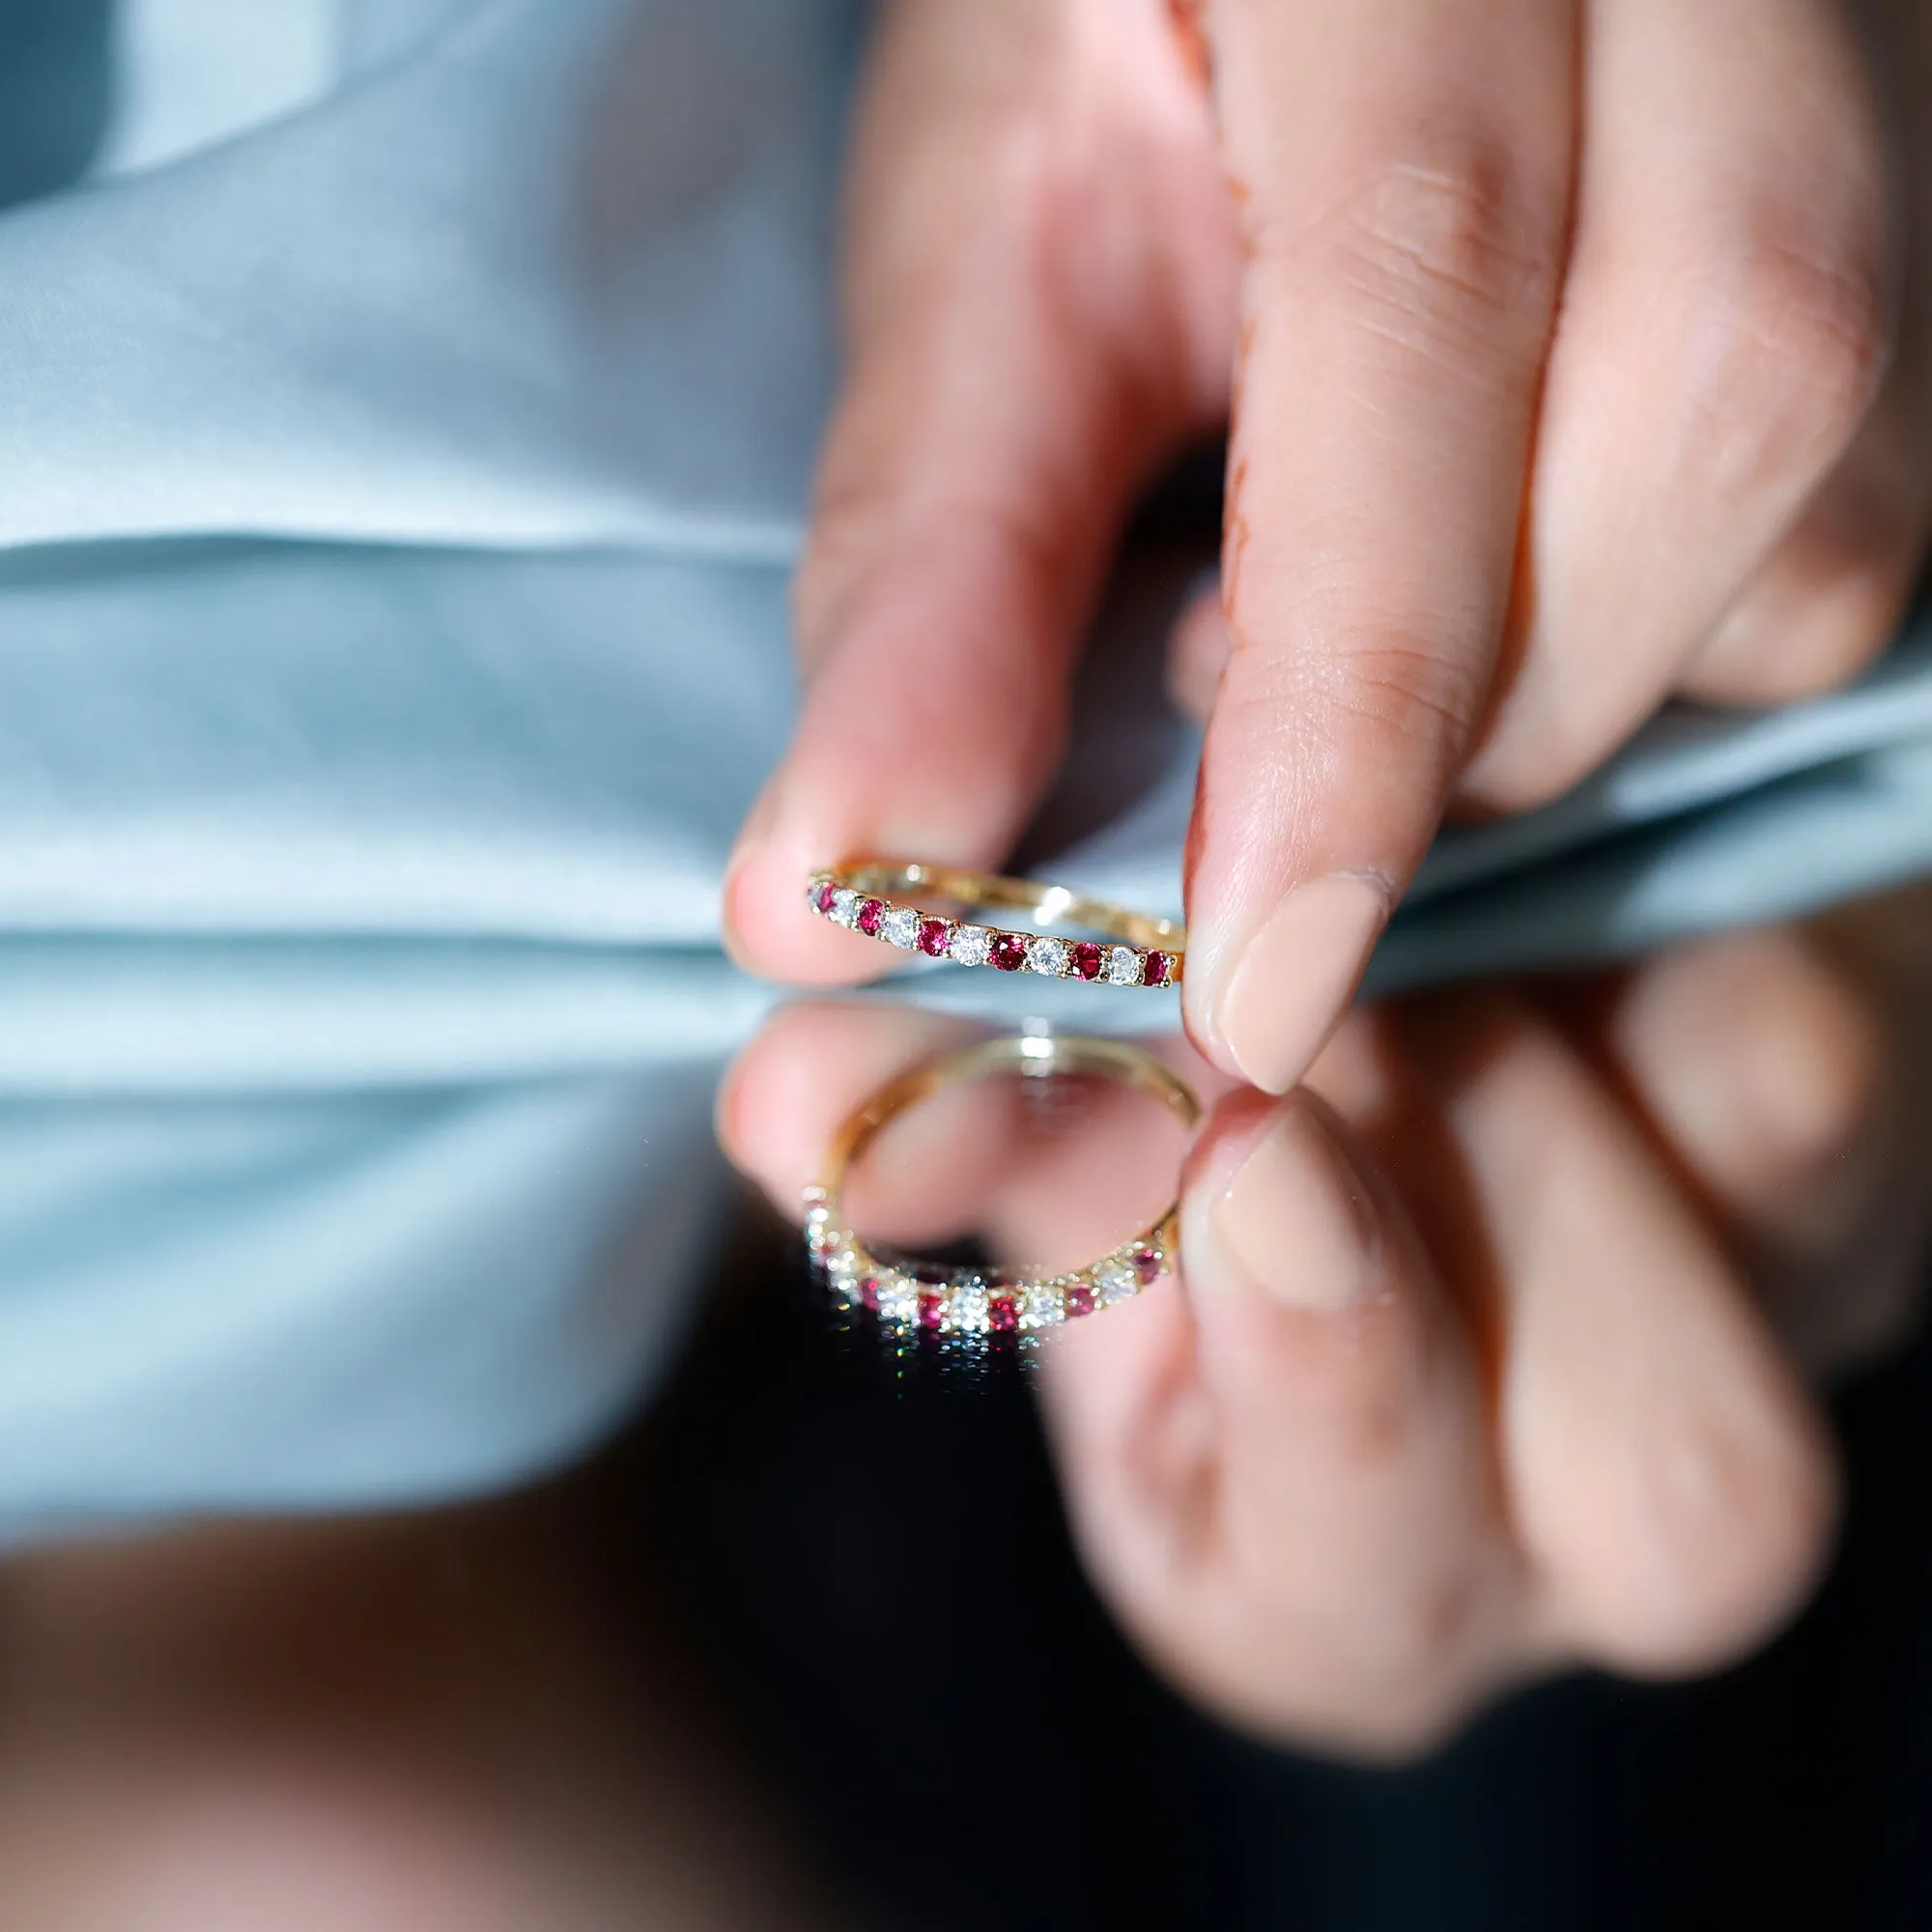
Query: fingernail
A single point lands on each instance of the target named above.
(1290, 985)
(1295, 1221)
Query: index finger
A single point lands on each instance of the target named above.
(1404, 171)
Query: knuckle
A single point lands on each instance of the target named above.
(1455, 233)
(1787, 330)
(1417, 693)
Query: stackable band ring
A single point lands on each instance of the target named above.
(980, 1301)
(1136, 950)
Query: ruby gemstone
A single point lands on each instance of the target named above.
(825, 896)
(1146, 1263)
(1007, 951)
(1159, 965)
(1003, 1313)
(933, 938)
(1079, 1298)
(870, 916)
(1087, 959)
(868, 1293)
(931, 1307)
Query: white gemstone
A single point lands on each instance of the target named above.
(1042, 1306)
(966, 1309)
(897, 1298)
(1123, 965)
(970, 944)
(846, 1277)
(846, 905)
(1048, 956)
(1115, 1281)
(901, 927)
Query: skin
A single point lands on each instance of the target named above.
(1571, 355)
(1520, 1373)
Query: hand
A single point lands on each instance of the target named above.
(1486, 1358)
(1575, 354)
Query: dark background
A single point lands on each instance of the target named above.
(870, 1560)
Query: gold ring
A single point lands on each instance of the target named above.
(982, 1301)
(1140, 950)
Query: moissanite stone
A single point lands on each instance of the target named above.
(901, 927)
(1042, 1306)
(971, 944)
(968, 1310)
(1048, 956)
(1117, 1281)
(897, 1299)
(1124, 966)
(846, 906)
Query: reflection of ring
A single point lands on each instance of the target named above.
(1143, 951)
(978, 1301)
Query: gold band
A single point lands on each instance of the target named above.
(959, 1300)
(1136, 948)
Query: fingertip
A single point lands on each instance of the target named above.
(1262, 1007)
(770, 931)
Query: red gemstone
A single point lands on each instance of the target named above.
(1079, 1298)
(1087, 959)
(1003, 1313)
(1146, 1263)
(931, 1307)
(824, 897)
(1007, 951)
(870, 916)
(1159, 965)
(933, 938)
(868, 1293)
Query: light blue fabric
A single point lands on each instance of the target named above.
(403, 445)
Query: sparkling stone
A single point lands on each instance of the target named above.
(1007, 951)
(1124, 966)
(1159, 967)
(868, 1291)
(1048, 956)
(970, 944)
(934, 936)
(849, 1285)
(1118, 1282)
(1146, 1263)
(931, 1307)
(897, 1299)
(1042, 1306)
(869, 915)
(845, 905)
(901, 927)
(1079, 1298)
(1086, 958)
(967, 1311)
(824, 896)
(1003, 1311)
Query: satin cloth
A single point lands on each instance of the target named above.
(406, 411)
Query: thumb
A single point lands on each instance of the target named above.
(1028, 340)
